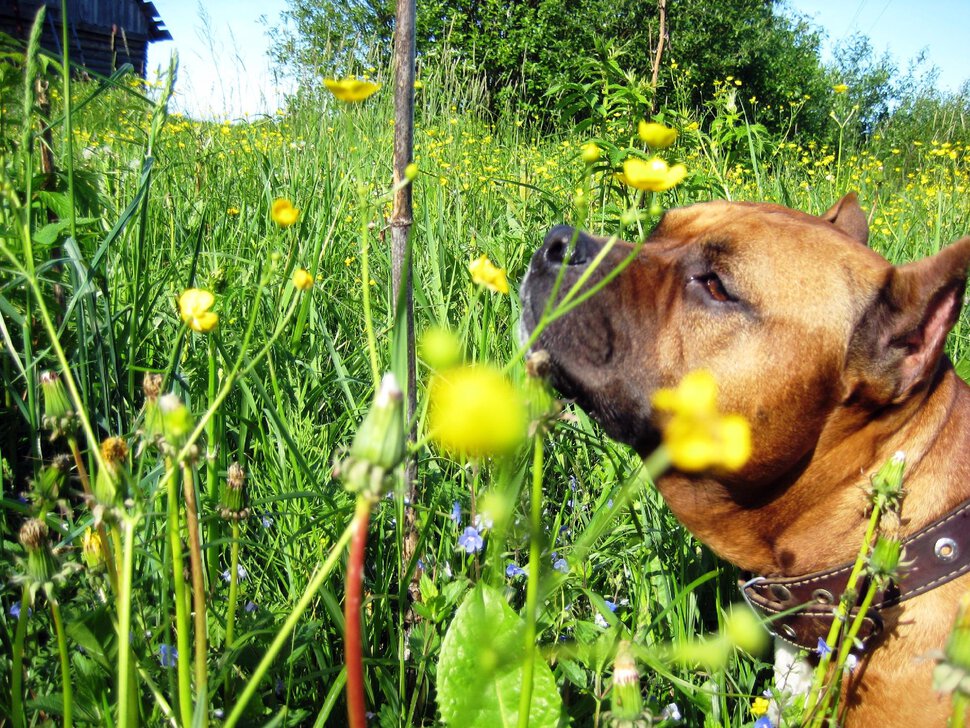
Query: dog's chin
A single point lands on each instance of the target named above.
(627, 427)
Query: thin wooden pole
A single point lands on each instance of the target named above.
(401, 220)
(655, 75)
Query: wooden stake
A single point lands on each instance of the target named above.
(401, 220)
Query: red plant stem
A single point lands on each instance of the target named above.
(353, 655)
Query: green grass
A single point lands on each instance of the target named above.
(163, 204)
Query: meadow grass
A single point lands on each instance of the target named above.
(94, 261)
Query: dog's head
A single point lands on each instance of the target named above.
(793, 314)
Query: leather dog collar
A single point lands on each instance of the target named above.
(801, 609)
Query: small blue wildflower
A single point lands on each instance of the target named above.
(470, 540)
(823, 649)
(572, 482)
(241, 573)
(609, 503)
(513, 570)
(168, 655)
(561, 565)
(483, 522)
(421, 565)
(218, 713)
(610, 605)
(250, 607)
(671, 712)
(14, 610)
(764, 722)
(266, 520)
(455, 514)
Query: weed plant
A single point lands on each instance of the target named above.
(209, 532)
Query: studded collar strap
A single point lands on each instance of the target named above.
(801, 609)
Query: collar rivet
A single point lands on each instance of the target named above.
(945, 549)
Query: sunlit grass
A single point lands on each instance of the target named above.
(286, 375)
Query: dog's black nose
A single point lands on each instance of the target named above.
(564, 244)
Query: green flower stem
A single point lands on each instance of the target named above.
(181, 602)
(238, 371)
(17, 669)
(124, 625)
(111, 565)
(212, 443)
(233, 585)
(842, 612)
(198, 588)
(365, 301)
(845, 648)
(961, 703)
(68, 692)
(289, 625)
(353, 648)
(532, 588)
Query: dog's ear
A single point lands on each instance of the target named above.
(848, 217)
(899, 340)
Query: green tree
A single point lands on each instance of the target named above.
(525, 48)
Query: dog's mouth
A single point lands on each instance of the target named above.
(583, 356)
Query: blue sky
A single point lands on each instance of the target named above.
(224, 70)
(904, 28)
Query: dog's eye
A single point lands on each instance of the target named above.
(713, 287)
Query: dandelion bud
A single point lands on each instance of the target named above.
(887, 484)
(440, 348)
(151, 385)
(538, 364)
(59, 415)
(233, 506)
(380, 439)
(952, 672)
(92, 550)
(40, 561)
(170, 420)
(884, 561)
(627, 701)
(745, 631)
(378, 446)
(114, 453)
(52, 478)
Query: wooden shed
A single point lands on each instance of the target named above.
(102, 34)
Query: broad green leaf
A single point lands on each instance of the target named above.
(480, 670)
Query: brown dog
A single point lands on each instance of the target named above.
(836, 359)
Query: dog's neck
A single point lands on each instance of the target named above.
(818, 519)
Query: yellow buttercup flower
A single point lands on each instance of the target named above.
(302, 279)
(652, 175)
(194, 305)
(591, 152)
(411, 171)
(283, 212)
(696, 435)
(351, 90)
(475, 411)
(840, 88)
(656, 136)
(484, 273)
(760, 706)
(232, 211)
